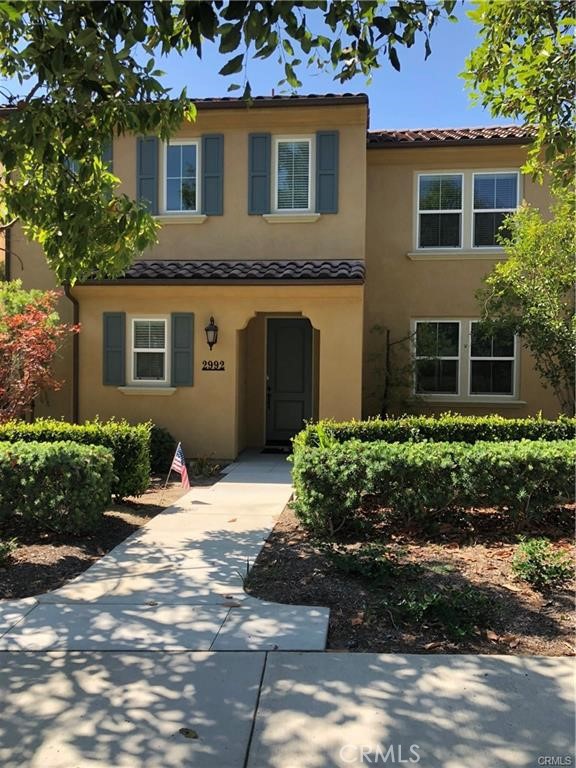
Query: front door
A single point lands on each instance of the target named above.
(289, 378)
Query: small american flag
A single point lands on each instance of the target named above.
(179, 465)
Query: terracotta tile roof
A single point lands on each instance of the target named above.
(351, 271)
(231, 102)
(426, 137)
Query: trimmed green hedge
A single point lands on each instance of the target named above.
(521, 478)
(130, 445)
(446, 427)
(162, 449)
(60, 486)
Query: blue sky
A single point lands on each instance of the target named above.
(422, 95)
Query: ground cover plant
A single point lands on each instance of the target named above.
(540, 564)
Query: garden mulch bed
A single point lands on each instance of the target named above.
(45, 561)
(292, 568)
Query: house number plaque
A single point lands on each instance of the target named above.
(213, 365)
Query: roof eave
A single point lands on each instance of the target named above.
(449, 143)
(235, 282)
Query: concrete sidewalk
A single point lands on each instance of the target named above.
(283, 710)
(155, 658)
(177, 583)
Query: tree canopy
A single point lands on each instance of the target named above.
(524, 69)
(30, 336)
(87, 70)
(532, 292)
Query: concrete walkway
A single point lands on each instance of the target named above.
(177, 583)
(155, 658)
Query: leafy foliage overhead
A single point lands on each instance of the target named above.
(532, 292)
(88, 69)
(524, 68)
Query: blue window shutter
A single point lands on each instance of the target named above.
(212, 162)
(107, 155)
(114, 359)
(182, 349)
(259, 165)
(327, 172)
(147, 172)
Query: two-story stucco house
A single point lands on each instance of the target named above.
(316, 247)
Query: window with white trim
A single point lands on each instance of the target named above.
(460, 360)
(149, 347)
(437, 357)
(440, 210)
(463, 210)
(293, 174)
(492, 362)
(495, 197)
(181, 187)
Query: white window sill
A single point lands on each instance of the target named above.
(291, 218)
(181, 218)
(470, 401)
(162, 391)
(484, 254)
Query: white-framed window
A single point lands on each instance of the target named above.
(293, 188)
(456, 359)
(182, 176)
(440, 210)
(437, 353)
(495, 196)
(459, 210)
(492, 362)
(149, 346)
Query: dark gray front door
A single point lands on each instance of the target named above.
(289, 384)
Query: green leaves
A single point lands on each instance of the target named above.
(532, 292)
(524, 68)
(233, 66)
(88, 70)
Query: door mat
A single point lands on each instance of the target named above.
(276, 449)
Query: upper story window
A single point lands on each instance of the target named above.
(181, 177)
(495, 196)
(149, 359)
(440, 211)
(464, 210)
(292, 181)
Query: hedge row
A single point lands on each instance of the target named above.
(446, 427)
(130, 445)
(59, 486)
(520, 478)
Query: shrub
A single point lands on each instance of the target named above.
(457, 610)
(369, 561)
(130, 445)
(537, 562)
(7, 546)
(446, 427)
(522, 479)
(60, 486)
(162, 449)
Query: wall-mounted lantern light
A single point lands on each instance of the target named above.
(211, 333)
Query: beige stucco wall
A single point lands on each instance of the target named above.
(237, 235)
(211, 417)
(399, 288)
